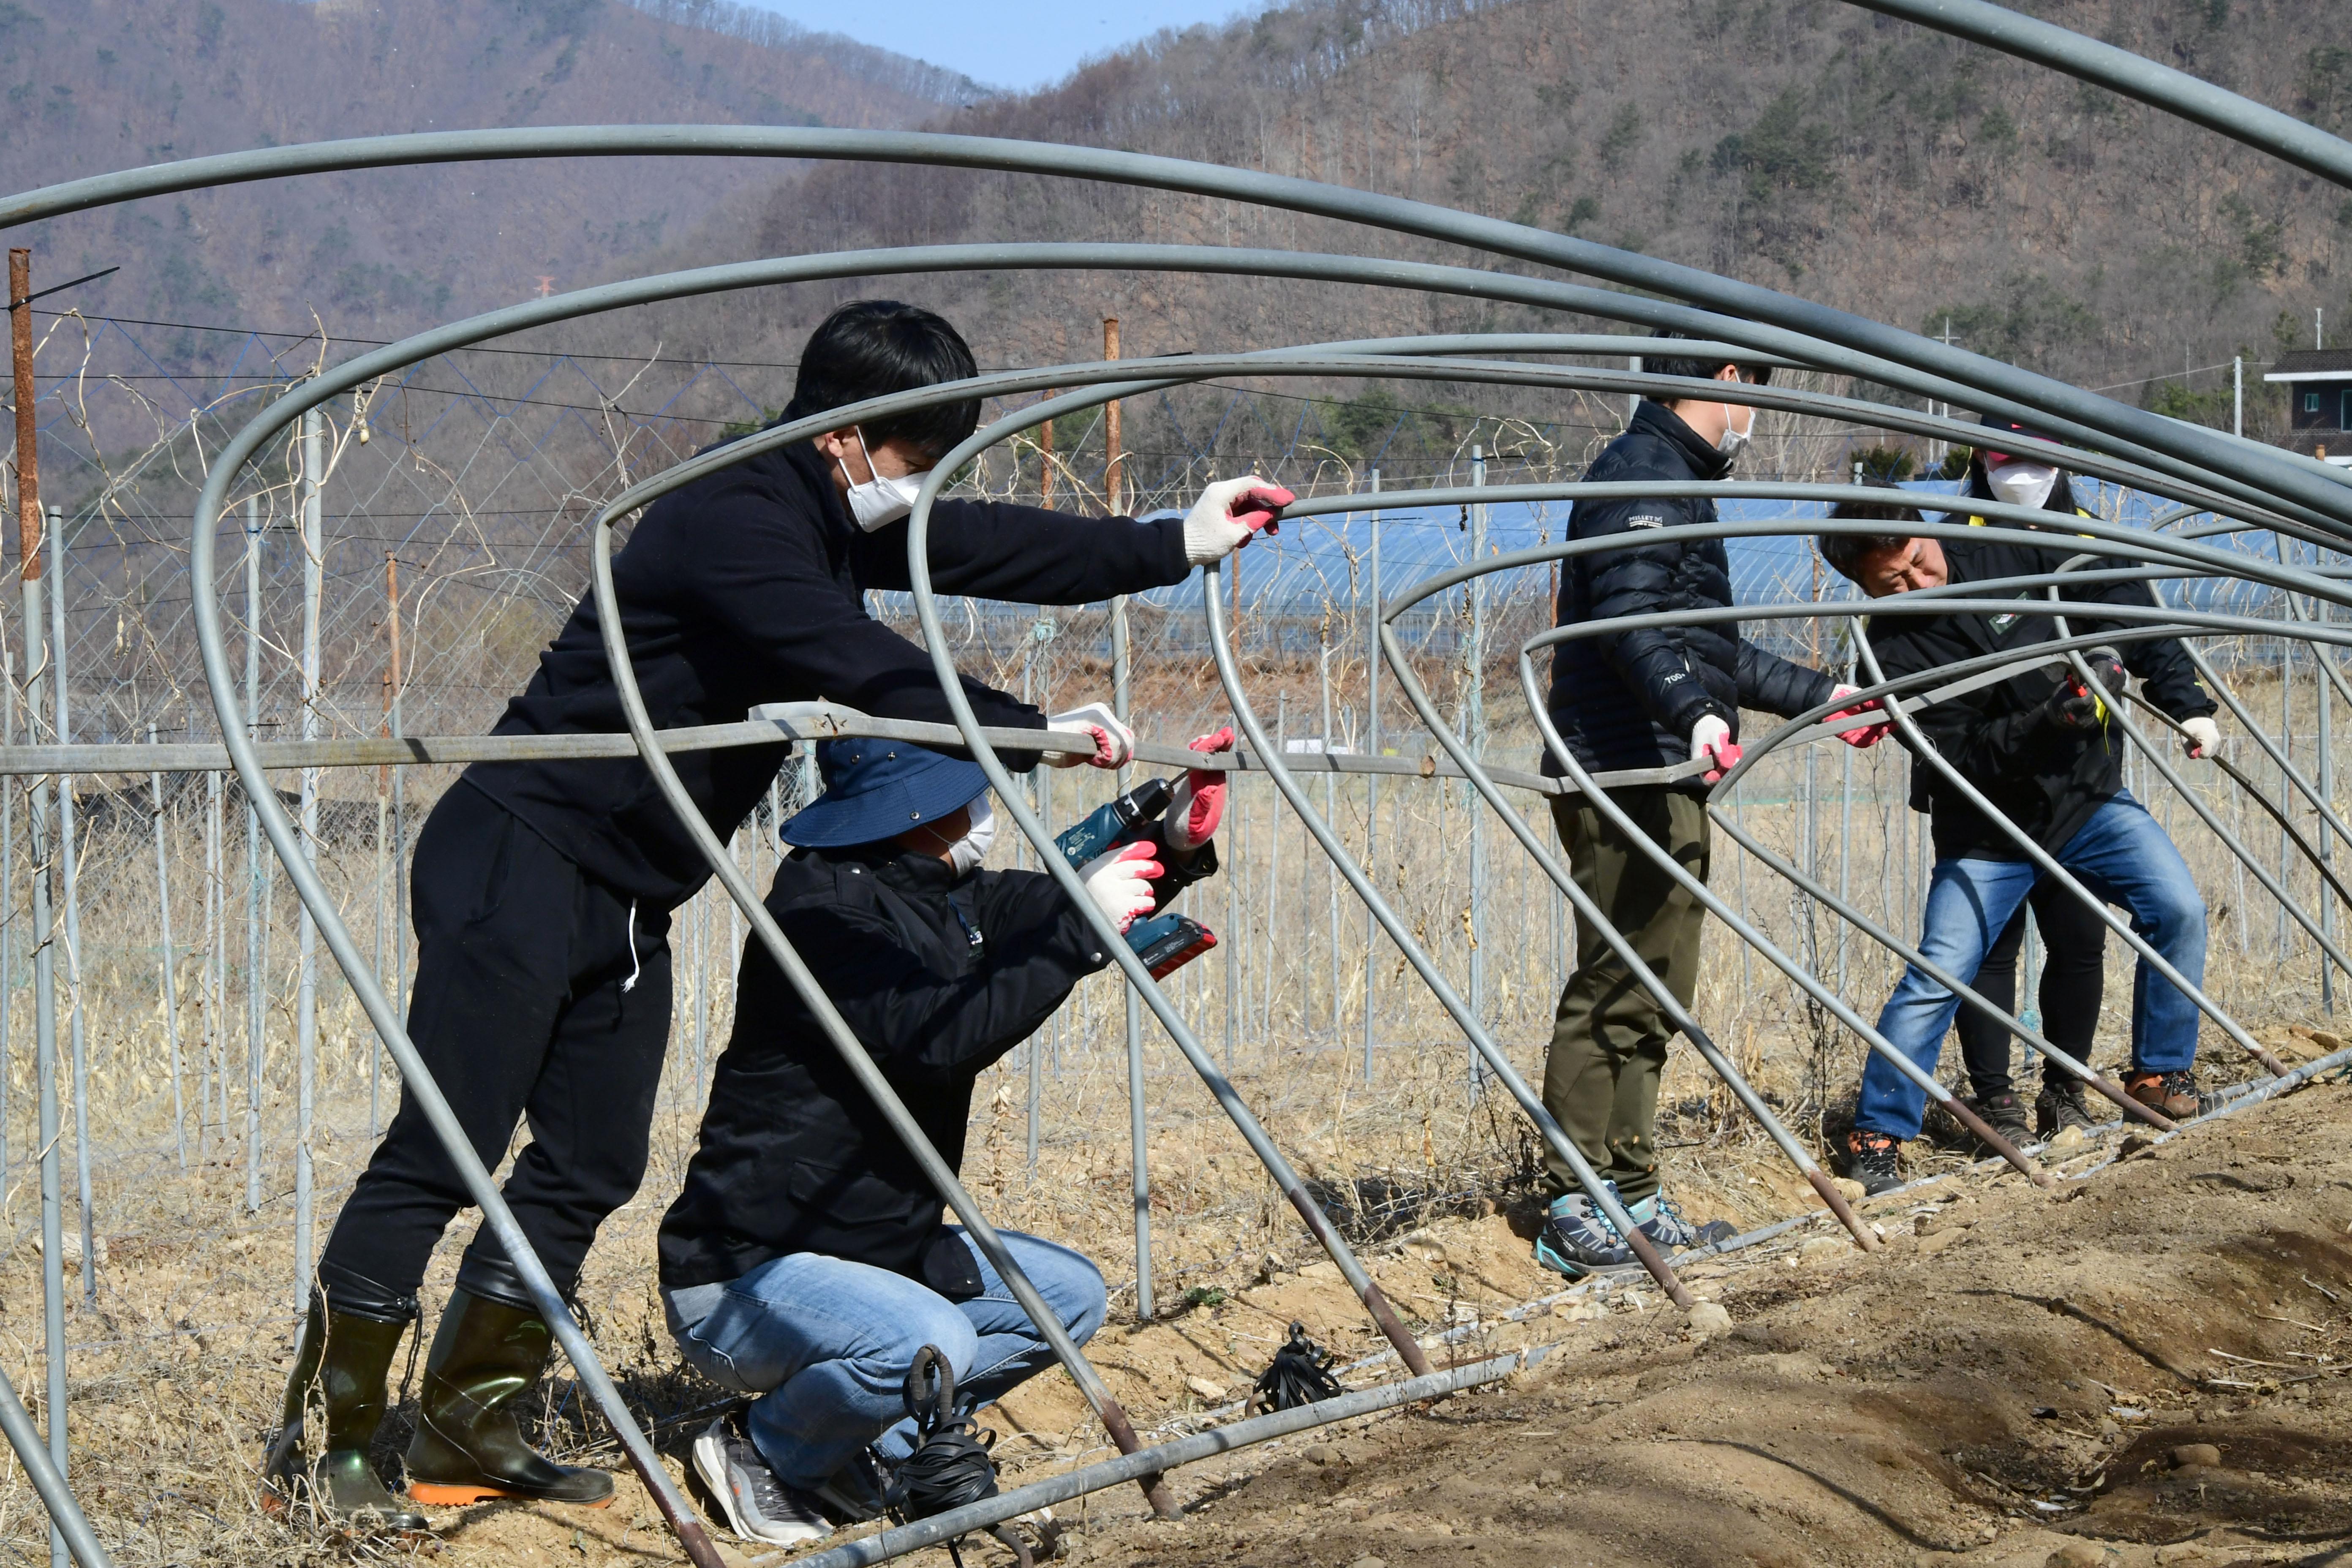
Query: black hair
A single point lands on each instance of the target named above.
(1699, 368)
(874, 347)
(1845, 551)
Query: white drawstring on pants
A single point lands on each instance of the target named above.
(636, 967)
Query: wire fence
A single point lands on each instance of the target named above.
(454, 505)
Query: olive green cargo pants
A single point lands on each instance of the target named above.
(1609, 1037)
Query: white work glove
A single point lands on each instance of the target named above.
(2204, 736)
(1228, 514)
(1120, 883)
(1711, 743)
(1198, 803)
(1114, 741)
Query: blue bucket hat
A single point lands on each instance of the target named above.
(876, 789)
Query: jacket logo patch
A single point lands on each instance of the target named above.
(1647, 519)
(2002, 624)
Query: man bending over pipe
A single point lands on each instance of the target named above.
(806, 1262)
(2039, 747)
(544, 889)
(1652, 698)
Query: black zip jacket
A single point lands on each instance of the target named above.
(748, 587)
(939, 978)
(1630, 700)
(2044, 777)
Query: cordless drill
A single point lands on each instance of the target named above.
(1164, 940)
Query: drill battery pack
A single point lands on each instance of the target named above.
(1166, 942)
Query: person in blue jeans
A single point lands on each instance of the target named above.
(2042, 750)
(806, 1261)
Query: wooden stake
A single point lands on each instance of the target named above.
(1115, 474)
(1045, 459)
(28, 467)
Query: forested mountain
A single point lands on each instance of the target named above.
(89, 86)
(1804, 144)
(1801, 143)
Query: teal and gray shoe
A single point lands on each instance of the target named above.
(1577, 1239)
(1657, 1218)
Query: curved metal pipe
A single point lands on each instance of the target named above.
(1473, 1028)
(1953, 1105)
(1400, 664)
(1921, 746)
(2033, 1039)
(2322, 497)
(2135, 75)
(837, 1033)
(1014, 801)
(262, 800)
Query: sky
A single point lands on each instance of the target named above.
(1018, 44)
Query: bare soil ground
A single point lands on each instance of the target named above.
(2146, 1365)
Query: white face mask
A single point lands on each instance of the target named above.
(2023, 484)
(1735, 434)
(966, 853)
(876, 502)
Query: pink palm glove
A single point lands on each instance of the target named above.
(1868, 734)
(1114, 741)
(1711, 744)
(1121, 882)
(1229, 515)
(1198, 804)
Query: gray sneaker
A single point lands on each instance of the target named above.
(1656, 1217)
(758, 1506)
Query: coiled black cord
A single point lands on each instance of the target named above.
(950, 1465)
(1300, 1374)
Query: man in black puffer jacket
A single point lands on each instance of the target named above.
(1650, 698)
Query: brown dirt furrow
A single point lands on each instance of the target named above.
(2144, 1367)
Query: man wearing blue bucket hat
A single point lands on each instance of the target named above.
(542, 890)
(806, 1260)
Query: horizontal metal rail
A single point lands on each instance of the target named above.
(1192, 1450)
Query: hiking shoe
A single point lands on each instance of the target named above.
(1657, 1217)
(2005, 1114)
(2060, 1106)
(1577, 1238)
(758, 1506)
(1871, 1158)
(2174, 1093)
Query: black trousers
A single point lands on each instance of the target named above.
(2074, 977)
(523, 1012)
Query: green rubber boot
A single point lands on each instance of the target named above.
(341, 1364)
(486, 1355)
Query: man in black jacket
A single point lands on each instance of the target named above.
(542, 890)
(1647, 699)
(806, 1261)
(2040, 749)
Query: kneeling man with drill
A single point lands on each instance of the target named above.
(807, 1262)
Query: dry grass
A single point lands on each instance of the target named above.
(176, 1367)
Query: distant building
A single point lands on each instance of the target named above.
(2319, 384)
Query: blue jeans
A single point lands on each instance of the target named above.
(827, 1344)
(2121, 856)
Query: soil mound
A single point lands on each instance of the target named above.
(2145, 1366)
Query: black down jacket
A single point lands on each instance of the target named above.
(1628, 700)
(938, 977)
(2046, 778)
(748, 586)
